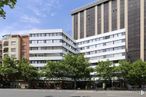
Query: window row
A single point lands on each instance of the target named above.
(103, 44)
(105, 50)
(45, 34)
(46, 48)
(46, 41)
(107, 56)
(46, 55)
(102, 38)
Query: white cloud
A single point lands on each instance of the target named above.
(29, 19)
(43, 8)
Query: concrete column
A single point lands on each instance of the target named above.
(96, 31)
(126, 23)
(102, 18)
(118, 14)
(85, 23)
(79, 25)
(142, 29)
(110, 16)
(73, 25)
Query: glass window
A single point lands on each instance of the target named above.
(13, 42)
(13, 49)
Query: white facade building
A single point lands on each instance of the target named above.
(107, 46)
(49, 45)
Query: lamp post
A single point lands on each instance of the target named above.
(142, 81)
(142, 92)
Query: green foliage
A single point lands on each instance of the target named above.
(3, 3)
(55, 70)
(137, 73)
(12, 70)
(134, 73)
(26, 71)
(123, 69)
(78, 66)
(73, 66)
(104, 70)
(9, 68)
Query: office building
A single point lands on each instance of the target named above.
(107, 46)
(106, 17)
(49, 45)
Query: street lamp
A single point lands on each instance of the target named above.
(142, 92)
(142, 81)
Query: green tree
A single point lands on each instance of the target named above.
(26, 71)
(9, 69)
(123, 69)
(137, 73)
(78, 67)
(133, 73)
(10, 3)
(74, 66)
(55, 70)
(105, 71)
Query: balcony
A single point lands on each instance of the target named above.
(6, 43)
(6, 50)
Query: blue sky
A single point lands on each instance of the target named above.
(40, 14)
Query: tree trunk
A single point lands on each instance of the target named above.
(104, 85)
(75, 84)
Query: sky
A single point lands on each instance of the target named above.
(40, 14)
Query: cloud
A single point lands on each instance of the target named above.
(43, 8)
(29, 19)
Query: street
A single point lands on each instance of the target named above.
(67, 93)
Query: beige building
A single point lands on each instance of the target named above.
(12, 46)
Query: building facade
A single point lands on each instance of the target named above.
(107, 16)
(108, 46)
(25, 46)
(13, 46)
(49, 45)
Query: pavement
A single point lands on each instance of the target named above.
(67, 93)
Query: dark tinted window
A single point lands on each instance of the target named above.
(134, 29)
(90, 22)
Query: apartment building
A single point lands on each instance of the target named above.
(25, 46)
(104, 18)
(49, 45)
(12, 44)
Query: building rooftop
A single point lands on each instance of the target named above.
(97, 2)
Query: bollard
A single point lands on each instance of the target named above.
(141, 92)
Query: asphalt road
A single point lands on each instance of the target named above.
(67, 93)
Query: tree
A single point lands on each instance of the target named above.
(133, 73)
(73, 66)
(104, 71)
(137, 73)
(26, 71)
(55, 70)
(123, 69)
(9, 69)
(10, 3)
(78, 67)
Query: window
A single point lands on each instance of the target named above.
(13, 55)
(13, 49)
(107, 37)
(13, 42)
